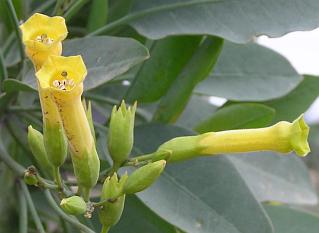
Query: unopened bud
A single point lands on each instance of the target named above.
(74, 205)
(36, 144)
(30, 176)
(120, 136)
(111, 211)
(144, 177)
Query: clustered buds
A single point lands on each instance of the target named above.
(68, 126)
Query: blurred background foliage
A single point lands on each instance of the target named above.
(172, 56)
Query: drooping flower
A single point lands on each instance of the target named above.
(62, 77)
(283, 137)
(42, 36)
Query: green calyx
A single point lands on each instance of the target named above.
(55, 143)
(111, 211)
(74, 205)
(36, 144)
(182, 148)
(120, 135)
(144, 177)
(86, 169)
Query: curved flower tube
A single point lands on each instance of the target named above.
(42, 36)
(63, 78)
(283, 137)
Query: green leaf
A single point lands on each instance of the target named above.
(105, 58)
(197, 110)
(198, 67)
(237, 21)
(296, 102)
(250, 72)
(98, 14)
(168, 57)
(139, 218)
(14, 85)
(237, 116)
(289, 220)
(273, 177)
(201, 195)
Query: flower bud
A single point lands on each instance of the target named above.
(36, 144)
(74, 205)
(55, 143)
(111, 211)
(30, 176)
(283, 137)
(120, 134)
(144, 177)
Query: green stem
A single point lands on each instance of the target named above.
(13, 165)
(3, 69)
(145, 12)
(105, 229)
(74, 9)
(66, 217)
(33, 211)
(100, 203)
(46, 184)
(7, 44)
(85, 192)
(58, 9)
(23, 213)
(43, 7)
(157, 155)
(15, 22)
(58, 179)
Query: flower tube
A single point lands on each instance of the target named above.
(283, 137)
(63, 78)
(42, 36)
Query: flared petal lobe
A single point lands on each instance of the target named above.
(42, 36)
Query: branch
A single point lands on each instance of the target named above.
(23, 213)
(13, 165)
(33, 211)
(66, 217)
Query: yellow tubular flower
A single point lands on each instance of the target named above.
(282, 137)
(63, 78)
(42, 36)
